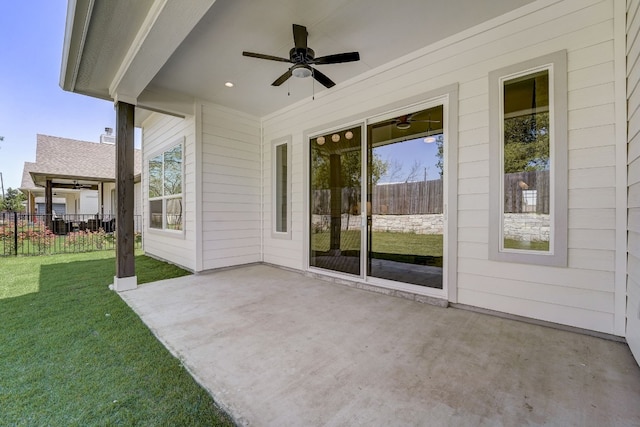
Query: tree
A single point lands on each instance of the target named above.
(394, 169)
(526, 143)
(414, 172)
(440, 154)
(349, 166)
(12, 202)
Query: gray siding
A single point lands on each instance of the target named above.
(231, 199)
(633, 93)
(160, 132)
(584, 293)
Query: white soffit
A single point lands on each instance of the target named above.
(113, 25)
(191, 49)
(380, 30)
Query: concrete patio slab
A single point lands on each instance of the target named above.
(277, 348)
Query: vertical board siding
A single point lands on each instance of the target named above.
(585, 28)
(633, 93)
(160, 132)
(231, 180)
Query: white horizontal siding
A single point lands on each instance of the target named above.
(231, 181)
(633, 93)
(160, 132)
(585, 28)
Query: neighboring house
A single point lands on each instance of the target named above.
(534, 104)
(81, 175)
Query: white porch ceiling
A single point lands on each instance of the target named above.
(211, 54)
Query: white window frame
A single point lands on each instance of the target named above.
(556, 64)
(164, 198)
(275, 188)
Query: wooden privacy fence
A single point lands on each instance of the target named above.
(526, 192)
(523, 192)
(408, 198)
(424, 197)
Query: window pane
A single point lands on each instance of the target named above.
(173, 171)
(405, 191)
(335, 207)
(281, 188)
(155, 214)
(174, 214)
(155, 177)
(527, 162)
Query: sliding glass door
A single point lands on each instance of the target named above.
(335, 201)
(405, 171)
(392, 181)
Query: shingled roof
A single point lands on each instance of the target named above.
(70, 158)
(27, 182)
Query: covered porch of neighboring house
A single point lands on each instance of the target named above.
(276, 347)
(80, 203)
(71, 184)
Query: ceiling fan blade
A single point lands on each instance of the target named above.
(283, 78)
(300, 35)
(337, 58)
(322, 79)
(269, 57)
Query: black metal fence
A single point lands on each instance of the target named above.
(25, 234)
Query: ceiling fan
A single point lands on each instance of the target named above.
(303, 57)
(77, 186)
(404, 122)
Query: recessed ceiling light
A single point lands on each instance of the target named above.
(228, 84)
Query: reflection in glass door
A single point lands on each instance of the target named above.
(335, 194)
(405, 223)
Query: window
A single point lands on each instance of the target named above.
(528, 161)
(165, 190)
(281, 188)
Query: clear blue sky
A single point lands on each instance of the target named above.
(405, 155)
(31, 100)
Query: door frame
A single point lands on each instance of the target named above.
(408, 287)
(447, 97)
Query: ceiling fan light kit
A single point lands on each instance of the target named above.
(303, 57)
(301, 71)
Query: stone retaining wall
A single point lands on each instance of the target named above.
(529, 227)
(417, 224)
(519, 226)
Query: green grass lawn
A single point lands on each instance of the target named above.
(384, 242)
(526, 245)
(72, 353)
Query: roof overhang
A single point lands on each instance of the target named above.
(162, 55)
(66, 181)
(113, 49)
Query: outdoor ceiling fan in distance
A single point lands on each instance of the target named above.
(303, 57)
(77, 186)
(404, 122)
